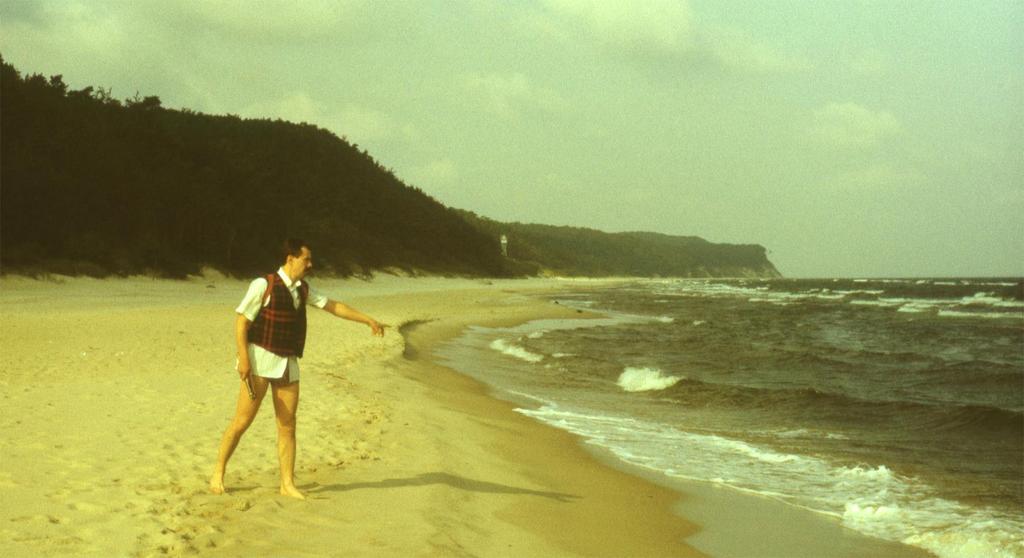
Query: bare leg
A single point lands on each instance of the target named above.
(245, 412)
(286, 402)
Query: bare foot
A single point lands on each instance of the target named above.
(217, 484)
(292, 491)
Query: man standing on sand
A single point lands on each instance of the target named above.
(270, 332)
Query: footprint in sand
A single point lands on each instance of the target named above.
(39, 518)
(86, 507)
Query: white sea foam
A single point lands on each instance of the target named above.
(762, 294)
(882, 303)
(699, 322)
(540, 400)
(537, 334)
(748, 450)
(879, 474)
(516, 351)
(969, 541)
(919, 301)
(665, 319)
(830, 296)
(988, 299)
(798, 433)
(805, 433)
(906, 304)
(915, 308)
(769, 300)
(990, 315)
(645, 379)
(562, 355)
(712, 289)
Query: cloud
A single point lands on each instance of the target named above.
(652, 25)
(364, 123)
(267, 20)
(878, 176)
(870, 63)
(506, 95)
(441, 171)
(660, 31)
(737, 50)
(355, 122)
(851, 126)
(294, 107)
(26, 13)
(438, 178)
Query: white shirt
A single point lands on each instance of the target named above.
(265, 363)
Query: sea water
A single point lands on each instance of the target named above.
(895, 405)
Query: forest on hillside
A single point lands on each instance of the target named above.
(93, 185)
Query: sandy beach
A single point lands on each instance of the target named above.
(117, 391)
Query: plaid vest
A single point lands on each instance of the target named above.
(280, 327)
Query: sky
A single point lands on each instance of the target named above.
(851, 139)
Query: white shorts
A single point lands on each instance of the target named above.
(266, 364)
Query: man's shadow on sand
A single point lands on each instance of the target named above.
(454, 481)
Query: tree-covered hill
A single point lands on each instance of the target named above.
(93, 185)
(90, 184)
(588, 252)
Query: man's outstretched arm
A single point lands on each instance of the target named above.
(342, 310)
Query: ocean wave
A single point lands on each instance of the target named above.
(752, 451)
(916, 308)
(898, 291)
(971, 540)
(877, 474)
(877, 302)
(872, 499)
(645, 379)
(992, 421)
(516, 351)
(977, 421)
(986, 315)
(806, 433)
(770, 300)
(989, 299)
(951, 307)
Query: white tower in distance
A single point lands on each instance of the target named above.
(504, 246)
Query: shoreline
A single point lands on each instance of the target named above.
(737, 523)
(121, 389)
(469, 475)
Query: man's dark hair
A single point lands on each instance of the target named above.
(292, 247)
